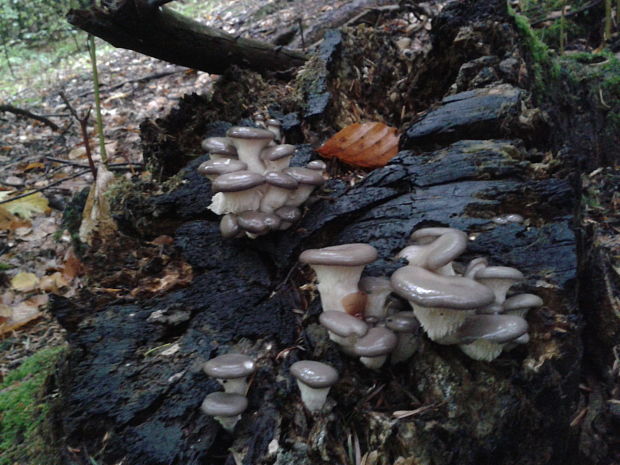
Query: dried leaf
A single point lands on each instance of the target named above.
(11, 222)
(19, 315)
(37, 165)
(369, 145)
(26, 207)
(25, 282)
(72, 266)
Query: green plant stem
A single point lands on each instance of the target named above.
(562, 28)
(93, 60)
(607, 32)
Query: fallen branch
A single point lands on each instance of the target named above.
(162, 33)
(148, 77)
(27, 114)
(41, 189)
(83, 120)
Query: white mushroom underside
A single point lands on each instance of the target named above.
(335, 283)
(499, 287)
(228, 423)
(236, 202)
(438, 322)
(374, 363)
(313, 398)
(482, 350)
(235, 385)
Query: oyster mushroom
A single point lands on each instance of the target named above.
(406, 327)
(237, 192)
(277, 157)
(249, 143)
(308, 180)
(225, 407)
(435, 249)
(375, 346)
(231, 371)
(344, 329)
(219, 148)
(314, 380)
(338, 270)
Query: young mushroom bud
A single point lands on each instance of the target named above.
(308, 180)
(275, 127)
(406, 327)
(343, 329)
(280, 187)
(229, 226)
(237, 192)
(231, 371)
(338, 270)
(249, 143)
(436, 248)
(520, 304)
(219, 148)
(441, 303)
(482, 337)
(499, 279)
(225, 407)
(258, 223)
(288, 215)
(474, 266)
(317, 165)
(375, 346)
(314, 380)
(277, 157)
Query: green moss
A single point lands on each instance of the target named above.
(24, 410)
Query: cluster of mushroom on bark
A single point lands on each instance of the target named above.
(255, 189)
(232, 370)
(468, 309)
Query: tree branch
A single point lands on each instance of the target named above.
(167, 35)
(27, 114)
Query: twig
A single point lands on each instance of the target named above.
(127, 165)
(84, 128)
(148, 77)
(41, 189)
(26, 113)
(99, 119)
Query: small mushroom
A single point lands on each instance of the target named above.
(237, 192)
(219, 148)
(277, 157)
(314, 380)
(436, 248)
(229, 226)
(344, 329)
(375, 346)
(499, 279)
(308, 180)
(406, 327)
(213, 168)
(520, 304)
(249, 143)
(231, 371)
(317, 165)
(474, 266)
(440, 303)
(258, 223)
(275, 127)
(280, 187)
(289, 215)
(338, 270)
(225, 407)
(483, 337)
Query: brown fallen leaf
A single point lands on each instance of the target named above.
(368, 145)
(25, 282)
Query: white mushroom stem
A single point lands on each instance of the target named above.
(439, 322)
(221, 156)
(376, 305)
(335, 283)
(407, 345)
(374, 363)
(313, 398)
(234, 385)
(482, 350)
(274, 198)
(228, 423)
(300, 195)
(278, 165)
(236, 202)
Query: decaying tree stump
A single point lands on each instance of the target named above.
(132, 384)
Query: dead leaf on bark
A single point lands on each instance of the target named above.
(368, 145)
(175, 275)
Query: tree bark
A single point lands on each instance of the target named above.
(167, 35)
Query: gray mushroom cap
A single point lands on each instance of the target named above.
(446, 244)
(402, 322)
(274, 122)
(282, 180)
(258, 222)
(229, 227)
(290, 214)
(354, 254)
(221, 166)
(343, 324)
(224, 404)
(229, 366)
(493, 328)
(314, 374)
(317, 165)
(378, 341)
(237, 181)
(305, 176)
(474, 265)
(499, 272)
(277, 152)
(522, 301)
(428, 289)
(219, 145)
(242, 132)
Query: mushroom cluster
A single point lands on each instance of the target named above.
(231, 371)
(469, 309)
(255, 189)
